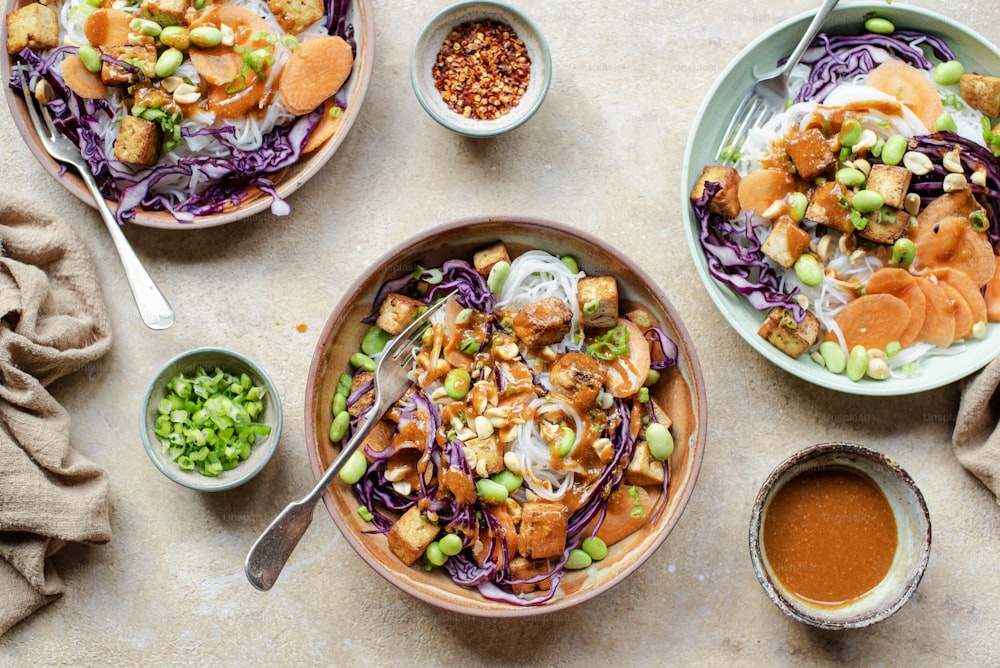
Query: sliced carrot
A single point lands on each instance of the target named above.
(961, 312)
(910, 86)
(939, 319)
(233, 105)
(107, 27)
(961, 203)
(902, 284)
(625, 513)
(759, 190)
(954, 243)
(873, 321)
(82, 81)
(992, 294)
(326, 128)
(219, 65)
(968, 290)
(315, 72)
(624, 376)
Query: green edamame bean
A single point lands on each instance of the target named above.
(355, 468)
(91, 58)
(457, 383)
(797, 205)
(498, 276)
(344, 384)
(146, 27)
(578, 559)
(434, 555)
(339, 426)
(945, 123)
(851, 177)
(491, 492)
(510, 480)
(879, 26)
(892, 348)
(866, 201)
(857, 363)
(570, 263)
(833, 356)
(895, 147)
(595, 548)
(339, 404)
(850, 132)
(903, 251)
(651, 377)
(809, 270)
(948, 73)
(374, 340)
(450, 544)
(566, 442)
(362, 361)
(660, 441)
(176, 37)
(168, 62)
(206, 36)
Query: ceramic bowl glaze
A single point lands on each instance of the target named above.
(913, 527)
(680, 391)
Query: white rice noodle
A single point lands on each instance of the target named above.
(537, 275)
(534, 452)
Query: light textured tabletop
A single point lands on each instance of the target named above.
(604, 154)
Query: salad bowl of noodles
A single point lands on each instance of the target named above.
(191, 113)
(798, 262)
(553, 433)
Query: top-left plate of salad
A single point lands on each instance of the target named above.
(192, 113)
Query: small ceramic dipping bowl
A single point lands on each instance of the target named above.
(210, 359)
(429, 44)
(881, 526)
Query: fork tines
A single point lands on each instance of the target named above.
(752, 113)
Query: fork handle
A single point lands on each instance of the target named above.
(153, 306)
(272, 549)
(810, 34)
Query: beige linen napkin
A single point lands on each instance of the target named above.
(52, 322)
(976, 440)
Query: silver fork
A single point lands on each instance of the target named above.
(153, 306)
(272, 549)
(769, 94)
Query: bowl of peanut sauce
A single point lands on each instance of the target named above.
(840, 536)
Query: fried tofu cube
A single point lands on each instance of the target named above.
(397, 312)
(726, 201)
(543, 529)
(891, 182)
(484, 260)
(138, 141)
(488, 454)
(644, 469)
(410, 535)
(790, 337)
(543, 323)
(525, 569)
(597, 297)
(786, 242)
(164, 12)
(294, 16)
(885, 226)
(982, 93)
(365, 401)
(33, 26)
(577, 377)
(142, 57)
(810, 153)
(830, 205)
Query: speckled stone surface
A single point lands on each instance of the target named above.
(603, 153)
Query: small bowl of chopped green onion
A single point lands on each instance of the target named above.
(211, 419)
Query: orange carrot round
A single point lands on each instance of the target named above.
(315, 72)
(939, 318)
(82, 81)
(900, 283)
(873, 321)
(911, 87)
(759, 190)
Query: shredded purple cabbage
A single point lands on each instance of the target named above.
(733, 255)
(834, 58)
(227, 181)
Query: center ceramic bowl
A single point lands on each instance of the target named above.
(913, 537)
(680, 391)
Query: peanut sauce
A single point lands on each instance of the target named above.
(830, 535)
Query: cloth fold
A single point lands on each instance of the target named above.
(976, 439)
(53, 322)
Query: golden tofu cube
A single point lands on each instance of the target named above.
(397, 312)
(786, 242)
(597, 297)
(725, 202)
(410, 535)
(543, 529)
(143, 57)
(294, 16)
(810, 153)
(164, 12)
(891, 182)
(644, 469)
(365, 401)
(982, 93)
(578, 378)
(790, 337)
(485, 259)
(885, 226)
(525, 569)
(33, 26)
(543, 323)
(138, 141)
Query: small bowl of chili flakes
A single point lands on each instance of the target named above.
(480, 68)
